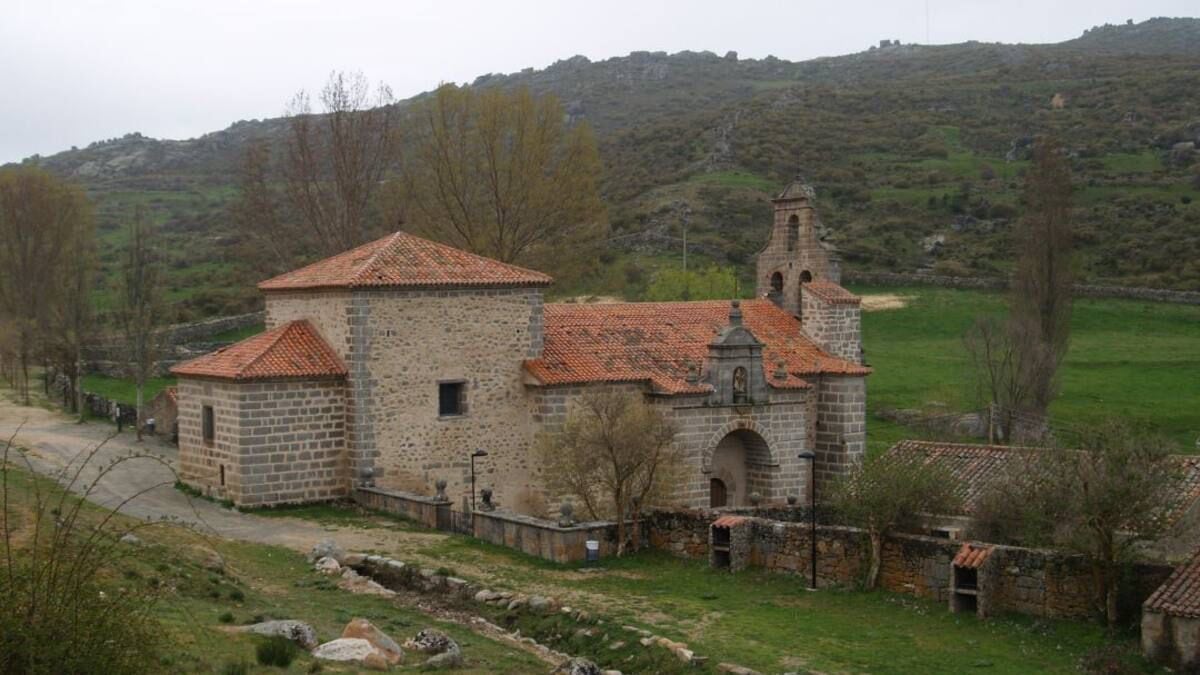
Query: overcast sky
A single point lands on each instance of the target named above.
(73, 72)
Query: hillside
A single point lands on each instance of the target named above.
(916, 153)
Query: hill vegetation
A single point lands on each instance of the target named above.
(916, 153)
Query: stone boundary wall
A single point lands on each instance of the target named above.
(534, 536)
(999, 284)
(425, 510)
(181, 341)
(1027, 581)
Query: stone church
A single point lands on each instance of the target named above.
(390, 364)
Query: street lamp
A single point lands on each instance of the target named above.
(477, 453)
(811, 458)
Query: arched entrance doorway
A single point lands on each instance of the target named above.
(739, 466)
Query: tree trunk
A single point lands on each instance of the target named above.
(138, 422)
(1110, 600)
(876, 559)
(77, 386)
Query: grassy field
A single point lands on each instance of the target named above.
(122, 390)
(1130, 359)
(199, 608)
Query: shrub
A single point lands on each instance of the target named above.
(226, 617)
(237, 595)
(275, 651)
(61, 610)
(235, 668)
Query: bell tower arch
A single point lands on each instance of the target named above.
(794, 254)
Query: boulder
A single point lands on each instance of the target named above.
(576, 666)
(326, 548)
(328, 567)
(296, 631)
(486, 596)
(352, 650)
(446, 652)
(356, 583)
(131, 539)
(539, 603)
(353, 559)
(365, 630)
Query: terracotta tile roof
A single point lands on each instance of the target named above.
(1180, 593)
(656, 342)
(972, 557)
(403, 260)
(974, 467)
(728, 521)
(292, 350)
(831, 292)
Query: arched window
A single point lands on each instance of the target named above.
(793, 232)
(777, 282)
(805, 277)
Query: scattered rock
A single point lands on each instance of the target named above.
(329, 567)
(213, 562)
(735, 669)
(446, 652)
(353, 559)
(365, 630)
(131, 539)
(296, 631)
(576, 666)
(326, 548)
(538, 603)
(352, 650)
(356, 583)
(486, 596)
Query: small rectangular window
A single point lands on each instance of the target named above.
(452, 399)
(207, 423)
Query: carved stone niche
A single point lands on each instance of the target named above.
(734, 364)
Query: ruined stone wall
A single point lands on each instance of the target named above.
(836, 327)
(841, 426)
(292, 442)
(1029, 581)
(327, 310)
(200, 462)
(402, 345)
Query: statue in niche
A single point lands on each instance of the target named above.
(739, 384)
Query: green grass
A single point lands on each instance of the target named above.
(771, 623)
(1142, 162)
(123, 391)
(1128, 359)
(197, 606)
(237, 334)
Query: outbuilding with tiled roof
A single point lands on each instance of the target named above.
(1171, 619)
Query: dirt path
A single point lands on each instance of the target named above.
(55, 442)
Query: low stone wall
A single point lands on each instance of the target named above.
(999, 284)
(537, 537)
(1028, 581)
(545, 539)
(179, 343)
(429, 511)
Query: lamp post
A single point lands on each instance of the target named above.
(477, 453)
(811, 458)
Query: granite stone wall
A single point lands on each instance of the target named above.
(836, 327)
(202, 463)
(1173, 640)
(1029, 581)
(841, 426)
(998, 284)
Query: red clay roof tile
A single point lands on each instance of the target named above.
(656, 342)
(1180, 594)
(293, 350)
(831, 292)
(972, 557)
(974, 467)
(728, 521)
(402, 260)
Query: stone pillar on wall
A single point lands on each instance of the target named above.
(841, 427)
(832, 317)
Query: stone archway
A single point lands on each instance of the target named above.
(739, 466)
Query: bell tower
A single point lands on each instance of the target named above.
(794, 255)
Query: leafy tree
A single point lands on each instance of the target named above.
(139, 311)
(1042, 283)
(614, 453)
(500, 174)
(1101, 502)
(42, 219)
(888, 492)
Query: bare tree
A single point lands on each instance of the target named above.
(500, 174)
(257, 215)
(139, 310)
(39, 216)
(337, 160)
(1042, 283)
(1005, 366)
(887, 492)
(72, 312)
(614, 453)
(1101, 502)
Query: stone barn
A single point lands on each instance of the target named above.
(1171, 619)
(390, 364)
